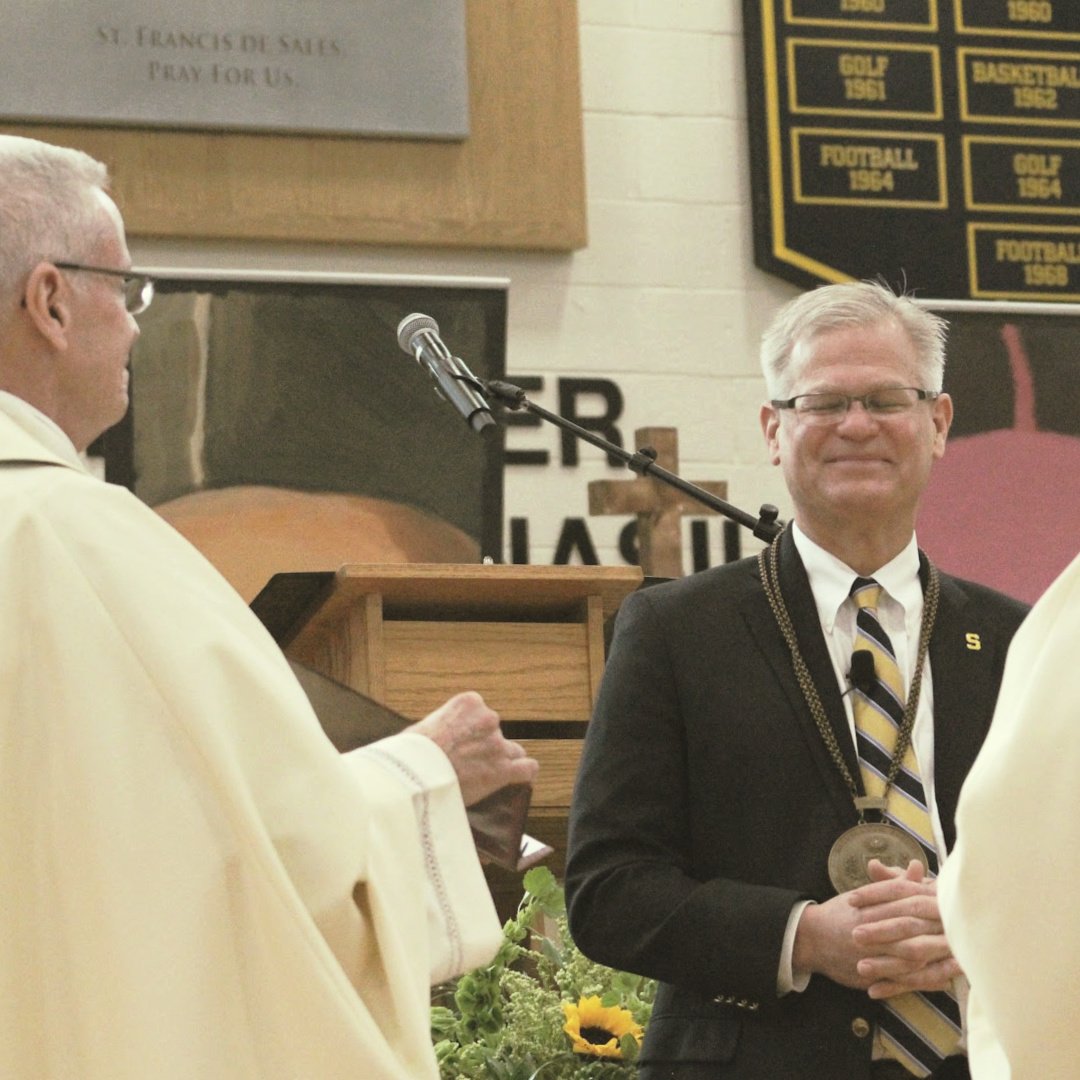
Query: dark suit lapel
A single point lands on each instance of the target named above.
(963, 655)
(801, 608)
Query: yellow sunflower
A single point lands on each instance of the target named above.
(596, 1029)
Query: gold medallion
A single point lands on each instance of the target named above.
(855, 848)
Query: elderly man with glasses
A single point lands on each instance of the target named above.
(193, 883)
(770, 777)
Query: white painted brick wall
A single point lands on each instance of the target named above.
(665, 300)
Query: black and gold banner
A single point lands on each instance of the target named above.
(935, 142)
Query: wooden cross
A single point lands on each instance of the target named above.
(658, 506)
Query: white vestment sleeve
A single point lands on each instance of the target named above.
(1008, 890)
(461, 918)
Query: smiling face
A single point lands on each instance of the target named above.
(861, 472)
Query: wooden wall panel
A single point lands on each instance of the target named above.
(516, 182)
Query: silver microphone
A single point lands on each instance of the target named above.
(418, 335)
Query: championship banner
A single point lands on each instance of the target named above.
(933, 142)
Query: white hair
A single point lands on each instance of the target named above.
(48, 206)
(850, 304)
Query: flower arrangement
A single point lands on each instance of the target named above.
(541, 1010)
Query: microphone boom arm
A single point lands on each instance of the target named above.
(765, 527)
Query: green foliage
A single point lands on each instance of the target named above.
(505, 1021)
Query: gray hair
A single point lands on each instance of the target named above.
(47, 206)
(850, 304)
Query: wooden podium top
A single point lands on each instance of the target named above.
(468, 588)
(299, 602)
(530, 639)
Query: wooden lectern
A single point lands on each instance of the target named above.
(530, 639)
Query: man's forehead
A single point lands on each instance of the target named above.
(851, 352)
(856, 344)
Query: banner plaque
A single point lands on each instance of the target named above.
(349, 67)
(933, 142)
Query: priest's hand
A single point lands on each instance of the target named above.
(468, 732)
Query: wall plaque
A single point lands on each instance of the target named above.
(356, 67)
(934, 142)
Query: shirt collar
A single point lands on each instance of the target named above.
(831, 578)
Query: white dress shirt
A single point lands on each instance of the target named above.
(900, 614)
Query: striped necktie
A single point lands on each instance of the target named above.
(917, 1029)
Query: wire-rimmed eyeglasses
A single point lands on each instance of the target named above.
(138, 288)
(830, 407)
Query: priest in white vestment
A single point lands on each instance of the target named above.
(1009, 891)
(193, 883)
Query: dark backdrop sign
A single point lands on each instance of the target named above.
(935, 142)
(276, 423)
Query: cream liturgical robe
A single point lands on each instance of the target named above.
(1009, 890)
(193, 883)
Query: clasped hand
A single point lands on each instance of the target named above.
(468, 732)
(885, 937)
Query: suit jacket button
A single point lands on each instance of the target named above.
(860, 1028)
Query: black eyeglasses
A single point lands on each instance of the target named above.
(138, 288)
(828, 408)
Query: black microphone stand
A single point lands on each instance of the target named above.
(765, 527)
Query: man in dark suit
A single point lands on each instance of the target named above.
(724, 827)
